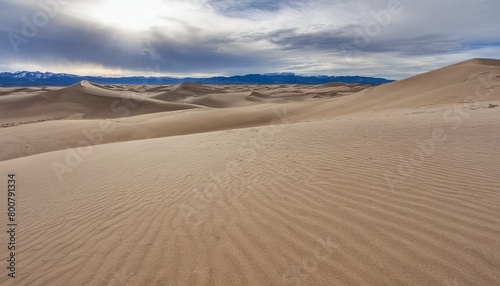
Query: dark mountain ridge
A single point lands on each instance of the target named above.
(27, 79)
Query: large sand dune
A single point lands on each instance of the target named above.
(259, 185)
(82, 100)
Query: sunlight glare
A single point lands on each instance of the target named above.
(130, 15)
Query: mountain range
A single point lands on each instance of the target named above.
(26, 78)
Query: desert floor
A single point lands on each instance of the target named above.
(191, 184)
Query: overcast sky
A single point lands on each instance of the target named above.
(385, 38)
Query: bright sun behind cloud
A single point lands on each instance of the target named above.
(130, 15)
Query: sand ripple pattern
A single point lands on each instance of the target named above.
(311, 206)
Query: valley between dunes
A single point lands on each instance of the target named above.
(192, 184)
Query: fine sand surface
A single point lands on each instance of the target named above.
(257, 185)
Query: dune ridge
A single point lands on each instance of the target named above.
(82, 100)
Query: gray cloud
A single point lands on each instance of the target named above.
(294, 39)
(237, 37)
(241, 7)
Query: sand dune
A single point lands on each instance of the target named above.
(184, 90)
(145, 221)
(470, 83)
(252, 108)
(449, 85)
(139, 117)
(82, 100)
(393, 185)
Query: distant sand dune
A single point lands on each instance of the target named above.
(83, 100)
(185, 90)
(397, 184)
(435, 90)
